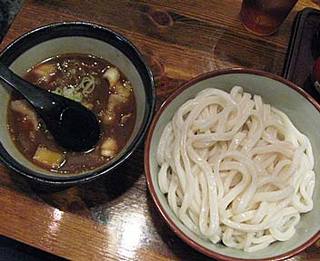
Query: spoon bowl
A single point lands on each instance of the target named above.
(71, 124)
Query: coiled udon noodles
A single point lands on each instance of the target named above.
(235, 169)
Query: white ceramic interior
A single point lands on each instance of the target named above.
(63, 45)
(302, 113)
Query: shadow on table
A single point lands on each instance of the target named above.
(82, 198)
(180, 249)
(15, 251)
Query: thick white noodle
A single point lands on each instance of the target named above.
(236, 170)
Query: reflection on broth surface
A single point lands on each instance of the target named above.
(87, 79)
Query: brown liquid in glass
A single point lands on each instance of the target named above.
(264, 17)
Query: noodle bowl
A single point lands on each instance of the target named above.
(235, 170)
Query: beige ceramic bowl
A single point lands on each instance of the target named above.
(280, 93)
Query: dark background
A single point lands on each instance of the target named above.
(8, 10)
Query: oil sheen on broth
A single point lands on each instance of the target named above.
(87, 79)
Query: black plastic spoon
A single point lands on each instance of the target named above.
(72, 125)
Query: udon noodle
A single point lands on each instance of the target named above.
(235, 170)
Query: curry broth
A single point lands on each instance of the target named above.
(85, 79)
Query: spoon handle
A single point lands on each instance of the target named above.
(21, 86)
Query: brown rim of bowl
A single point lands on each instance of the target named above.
(170, 222)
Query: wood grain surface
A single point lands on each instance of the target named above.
(114, 217)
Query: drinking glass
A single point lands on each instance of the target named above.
(264, 17)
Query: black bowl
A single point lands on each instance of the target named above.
(76, 37)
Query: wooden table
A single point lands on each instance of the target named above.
(114, 217)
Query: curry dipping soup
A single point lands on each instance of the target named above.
(93, 82)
